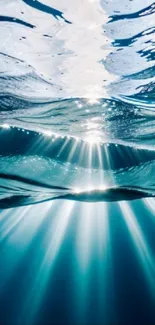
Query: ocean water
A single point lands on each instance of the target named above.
(77, 123)
(76, 97)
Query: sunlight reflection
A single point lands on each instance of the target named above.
(5, 126)
(92, 139)
(93, 26)
(77, 190)
(48, 133)
(93, 100)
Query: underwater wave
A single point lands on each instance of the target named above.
(34, 166)
(26, 192)
(108, 120)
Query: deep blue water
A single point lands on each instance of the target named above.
(77, 123)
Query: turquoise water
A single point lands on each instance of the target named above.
(77, 123)
(81, 87)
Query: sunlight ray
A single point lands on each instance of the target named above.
(73, 150)
(63, 147)
(102, 228)
(84, 253)
(92, 240)
(143, 252)
(90, 152)
(12, 220)
(150, 203)
(101, 165)
(82, 151)
(33, 220)
(85, 235)
(22, 226)
(104, 257)
(43, 268)
(107, 156)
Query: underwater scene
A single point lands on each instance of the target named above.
(77, 162)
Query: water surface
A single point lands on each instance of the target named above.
(76, 98)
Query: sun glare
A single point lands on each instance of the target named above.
(92, 139)
(92, 101)
(5, 126)
(48, 133)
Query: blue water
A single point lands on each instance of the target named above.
(77, 125)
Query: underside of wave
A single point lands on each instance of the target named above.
(18, 191)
